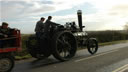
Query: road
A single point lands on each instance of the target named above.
(111, 58)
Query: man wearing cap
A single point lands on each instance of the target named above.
(49, 24)
(39, 27)
(4, 32)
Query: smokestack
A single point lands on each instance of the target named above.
(79, 14)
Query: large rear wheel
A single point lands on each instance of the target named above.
(64, 45)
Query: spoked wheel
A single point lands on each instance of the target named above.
(64, 46)
(6, 64)
(92, 46)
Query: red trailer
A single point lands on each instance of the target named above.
(6, 52)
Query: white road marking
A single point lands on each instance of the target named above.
(96, 55)
(121, 69)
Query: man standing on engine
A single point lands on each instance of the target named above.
(49, 24)
(39, 29)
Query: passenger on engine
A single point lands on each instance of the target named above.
(39, 29)
(49, 24)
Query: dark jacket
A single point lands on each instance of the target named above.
(39, 26)
(48, 24)
(4, 32)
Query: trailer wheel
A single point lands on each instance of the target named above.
(6, 63)
(64, 45)
(92, 46)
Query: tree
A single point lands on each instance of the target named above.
(126, 26)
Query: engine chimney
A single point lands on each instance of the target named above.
(79, 14)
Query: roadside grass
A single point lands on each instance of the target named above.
(113, 42)
(100, 44)
(23, 57)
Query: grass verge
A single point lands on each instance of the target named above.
(113, 42)
(23, 57)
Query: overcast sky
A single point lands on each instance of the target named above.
(97, 14)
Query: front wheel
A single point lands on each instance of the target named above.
(92, 46)
(6, 63)
(64, 45)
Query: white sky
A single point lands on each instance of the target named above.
(97, 14)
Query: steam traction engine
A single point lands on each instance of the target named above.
(62, 41)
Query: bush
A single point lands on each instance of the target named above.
(24, 52)
(108, 36)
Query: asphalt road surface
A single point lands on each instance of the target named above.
(111, 58)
